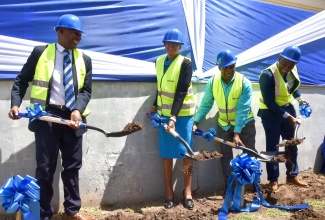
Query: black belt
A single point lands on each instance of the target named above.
(60, 107)
(285, 105)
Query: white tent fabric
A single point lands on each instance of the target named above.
(302, 33)
(15, 50)
(195, 18)
(14, 53)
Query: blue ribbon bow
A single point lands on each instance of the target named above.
(210, 134)
(157, 120)
(305, 109)
(35, 113)
(247, 170)
(21, 194)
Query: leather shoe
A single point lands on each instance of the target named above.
(189, 204)
(273, 186)
(169, 203)
(78, 216)
(297, 182)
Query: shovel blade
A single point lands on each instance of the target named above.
(274, 156)
(192, 157)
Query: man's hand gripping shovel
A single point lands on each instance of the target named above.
(157, 121)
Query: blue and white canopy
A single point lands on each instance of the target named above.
(124, 38)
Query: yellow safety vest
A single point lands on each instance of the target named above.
(282, 95)
(167, 84)
(43, 73)
(227, 108)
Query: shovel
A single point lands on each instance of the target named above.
(293, 141)
(190, 153)
(158, 121)
(197, 155)
(128, 129)
(266, 156)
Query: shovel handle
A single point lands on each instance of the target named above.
(198, 132)
(233, 145)
(52, 119)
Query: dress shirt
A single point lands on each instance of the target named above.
(57, 88)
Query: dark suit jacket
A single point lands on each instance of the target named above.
(274, 111)
(27, 73)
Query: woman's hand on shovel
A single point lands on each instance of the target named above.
(194, 128)
(171, 125)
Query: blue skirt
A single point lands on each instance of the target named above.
(169, 146)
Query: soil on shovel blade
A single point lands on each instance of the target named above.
(134, 126)
(131, 128)
(285, 157)
(206, 155)
(292, 142)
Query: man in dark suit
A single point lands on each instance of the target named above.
(61, 77)
(279, 84)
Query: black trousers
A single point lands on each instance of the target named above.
(51, 138)
(274, 129)
(247, 136)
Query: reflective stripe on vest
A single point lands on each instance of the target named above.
(167, 84)
(43, 73)
(282, 95)
(227, 108)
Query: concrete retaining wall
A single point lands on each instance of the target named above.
(128, 170)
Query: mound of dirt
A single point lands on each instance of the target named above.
(207, 206)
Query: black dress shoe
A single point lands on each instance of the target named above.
(169, 203)
(189, 204)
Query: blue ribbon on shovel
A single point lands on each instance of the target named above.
(38, 112)
(247, 170)
(33, 114)
(21, 194)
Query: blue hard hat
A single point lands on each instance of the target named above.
(291, 53)
(173, 35)
(226, 58)
(69, 21)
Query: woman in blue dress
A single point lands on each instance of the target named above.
(175, 100)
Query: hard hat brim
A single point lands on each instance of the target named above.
(173, 41)
(228, 64)
(82, 32)
(288, 58)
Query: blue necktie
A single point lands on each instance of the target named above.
(70, 101)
